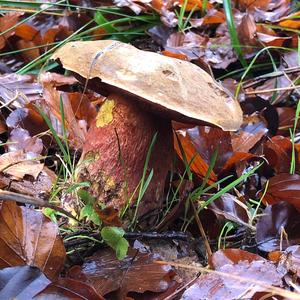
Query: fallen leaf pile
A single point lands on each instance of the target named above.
(211, 166)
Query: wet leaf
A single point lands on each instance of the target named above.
(68, 289)
(286, 117)
(240, 264)
(208, 140)
(278, 227)
(197, 164)
(21, 282)
(231, 208)
(278, 152)
(136, 273)
(283, 187)
(29, 238)
(250, 133)
(113, 236)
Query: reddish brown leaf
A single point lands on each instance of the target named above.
(286, 117)
(6, 22)
(214, 16)
(53, 96)
(27, 237)
(28, 55)
(275, 221)
(278, 152)
(230, 208)
(28, 33)
(238, 263)
(253, 4)
(82, 106)
(266, 10)
(68, 289)
(174, 55)
(250, 133)
(208, 140)
(136, 273)
(194, 4)
(232, 257)
(198, 165)
(292, 21)
(284, 187)
(109, 216)
(236, 159)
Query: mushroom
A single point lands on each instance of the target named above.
(145, 92)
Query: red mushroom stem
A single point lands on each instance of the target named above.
(115, 151)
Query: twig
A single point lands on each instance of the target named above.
(258, 79)
(28, 10)
(202, 232)
(11, 196)
(288, 88)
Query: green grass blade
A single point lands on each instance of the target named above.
(233, 33)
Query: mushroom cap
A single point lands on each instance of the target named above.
(179, 89)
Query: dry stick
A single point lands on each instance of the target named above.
(269, 288)
(11, 196)
(201, 229)
(289, 88)
(27, 10)
(249, 83)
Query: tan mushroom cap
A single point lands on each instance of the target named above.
(180, 88)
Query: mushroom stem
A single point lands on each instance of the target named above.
(115, 151)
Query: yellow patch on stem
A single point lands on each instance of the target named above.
(105, 114)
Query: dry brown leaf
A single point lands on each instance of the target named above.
(278, 152)
(292, 21)
(28, 237)
(18, 164)
(6, 22)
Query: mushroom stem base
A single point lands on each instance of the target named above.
(115, 151)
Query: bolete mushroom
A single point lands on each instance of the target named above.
(145, 92)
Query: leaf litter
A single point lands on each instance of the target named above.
(243, 184)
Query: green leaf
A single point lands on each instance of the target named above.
(86, 197)
(122, 248)
(89, 212)
(113, 237)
